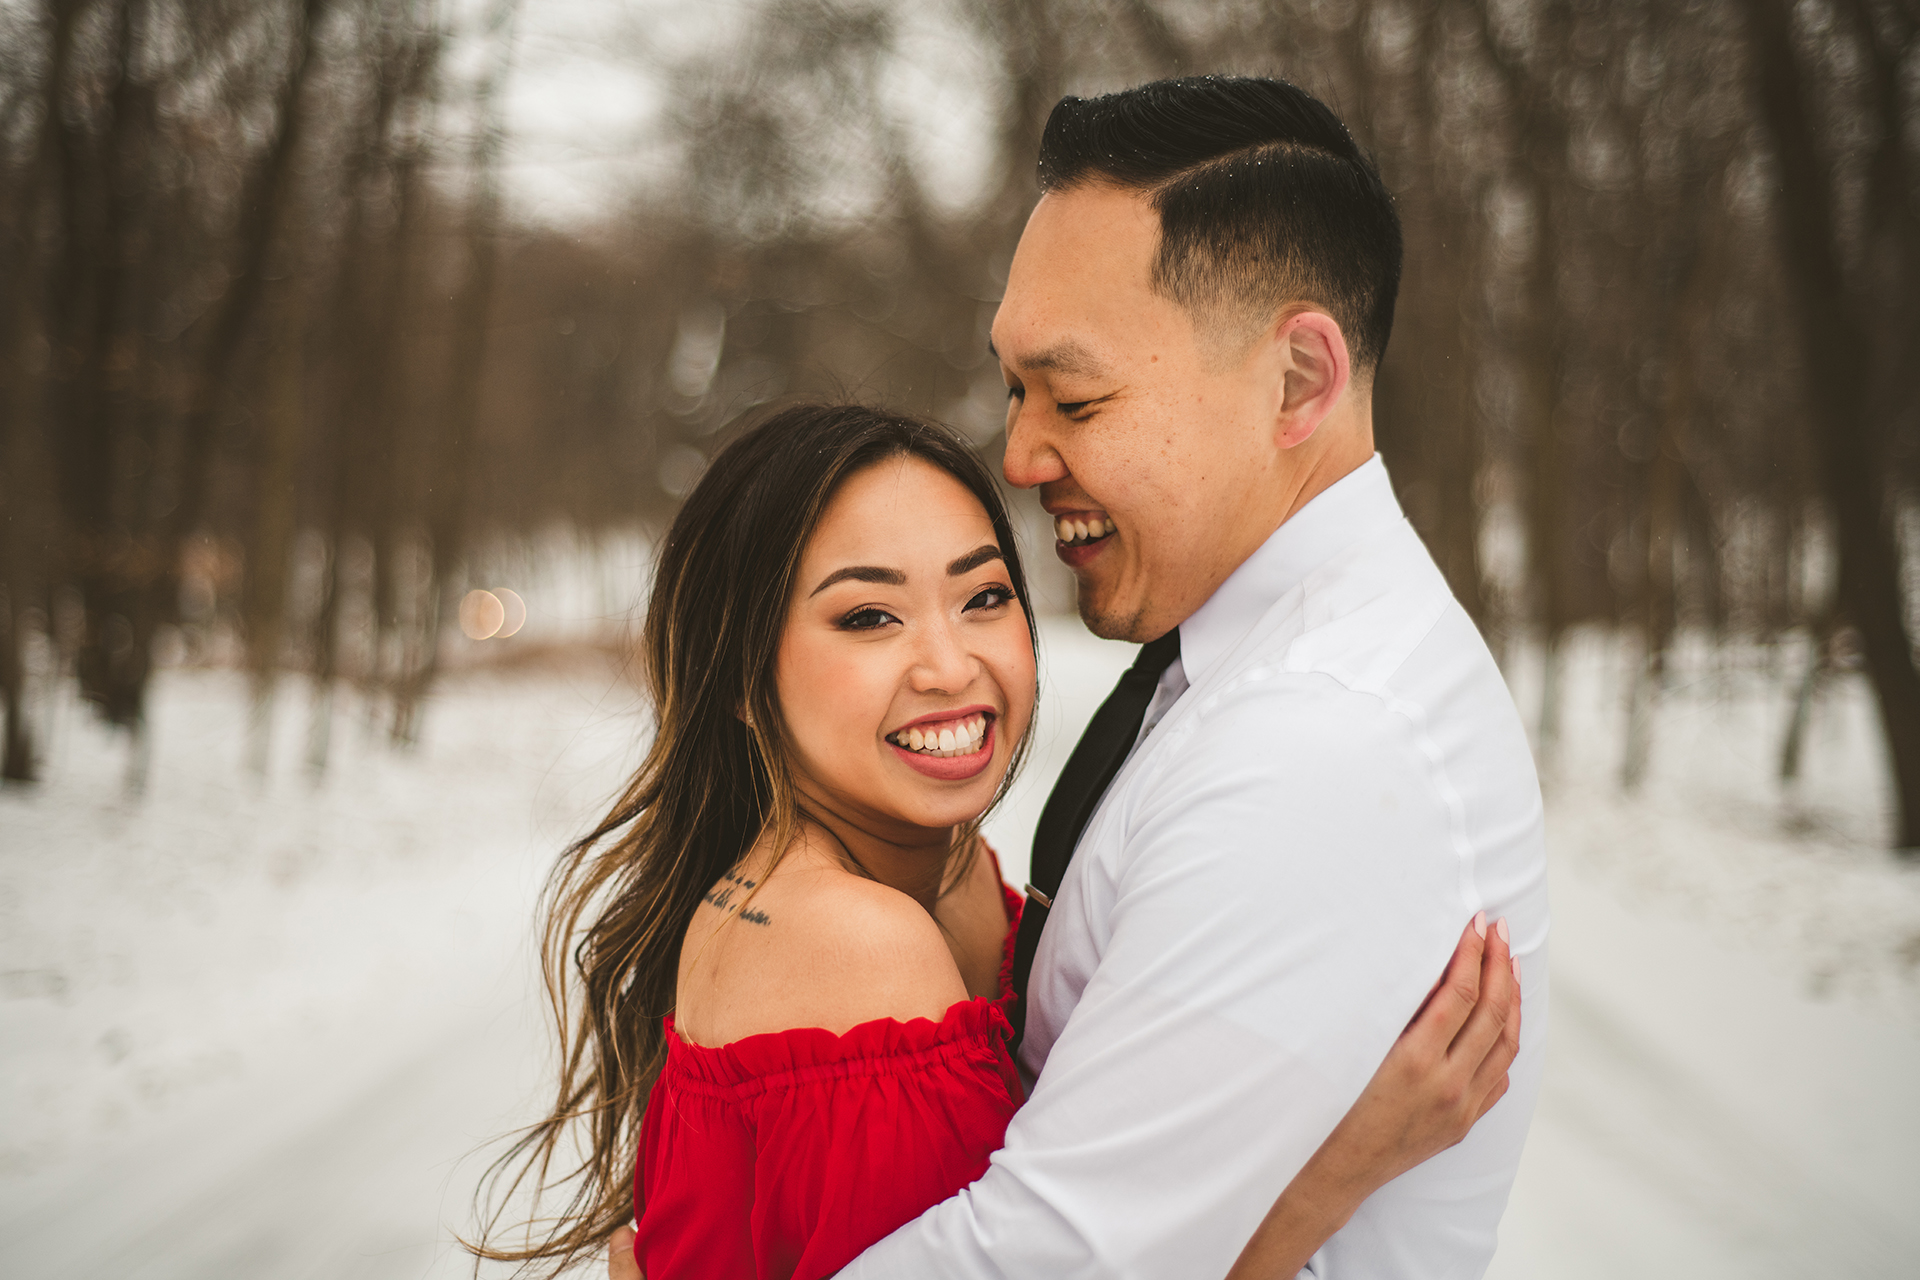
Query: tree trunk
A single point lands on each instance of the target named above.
(1840, 373)
(1027, 38)
(1451, 429)
(1819, 660)
(25, 403)
(352, 398)
(1665, 476)
(101, 426)
(271, 186)
(388, 380)
(473, 312)
(1542, 131)
(1702, 273)
(326, 628)
(270, 555)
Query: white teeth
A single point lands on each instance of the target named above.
(1071, 531)
(961, 739)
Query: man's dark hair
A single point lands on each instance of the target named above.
(1264, 199)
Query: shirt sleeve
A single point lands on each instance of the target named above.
(1286, 886)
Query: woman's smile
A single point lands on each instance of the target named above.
(947, 746)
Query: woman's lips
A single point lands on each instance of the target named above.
(950, 768)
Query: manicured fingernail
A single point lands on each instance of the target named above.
(1501, 925)
(1480, 923)
(1515, 961)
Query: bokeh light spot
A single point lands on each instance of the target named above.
(481, 614)
(516, 615)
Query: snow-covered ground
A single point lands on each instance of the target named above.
(250, 1029)
(265, 1029)
(1736, 1006)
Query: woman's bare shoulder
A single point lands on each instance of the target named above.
(812, 946)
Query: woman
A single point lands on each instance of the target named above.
(791, 941)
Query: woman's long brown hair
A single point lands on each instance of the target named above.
(619, 901)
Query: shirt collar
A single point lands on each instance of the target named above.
(1352, 507)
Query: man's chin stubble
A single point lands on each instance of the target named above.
(1107, 624)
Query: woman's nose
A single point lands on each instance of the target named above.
(944, 663)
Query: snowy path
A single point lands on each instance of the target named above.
(1703, 1120)
(260, 1031)
(1704, 1115)
(358, 1190)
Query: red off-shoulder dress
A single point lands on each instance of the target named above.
(786, 1155)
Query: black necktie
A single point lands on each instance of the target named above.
(1096, 758)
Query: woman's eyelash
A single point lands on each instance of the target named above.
(867, 619)
(872, 618)
(1004, 596)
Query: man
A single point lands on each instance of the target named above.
(1327, 775)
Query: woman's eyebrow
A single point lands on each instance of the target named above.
(894, 578)
(864, 573)
(974, 559)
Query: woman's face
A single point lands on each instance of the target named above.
(906, 673)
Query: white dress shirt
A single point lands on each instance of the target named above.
(1329, 782)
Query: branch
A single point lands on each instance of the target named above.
(270, 186)
(1164, 46)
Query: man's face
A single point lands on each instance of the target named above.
(1126, 418)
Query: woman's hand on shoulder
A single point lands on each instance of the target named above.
(1448, 1068)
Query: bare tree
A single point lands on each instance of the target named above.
(473, 309)
(33, 206)
(1607, 307)
(1855, 377)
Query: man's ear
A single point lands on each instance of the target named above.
(1313, 352)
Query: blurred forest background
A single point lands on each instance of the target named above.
(288, 365)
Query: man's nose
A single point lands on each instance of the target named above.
(1030, 458)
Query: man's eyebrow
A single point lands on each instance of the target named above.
(861, 573)
(1065, 356)
(974, 559)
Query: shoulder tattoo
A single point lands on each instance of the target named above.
(721, 896)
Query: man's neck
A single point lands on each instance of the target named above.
(1349, 449)
(1342, 453)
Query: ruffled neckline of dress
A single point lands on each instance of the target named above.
(774, 1057)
